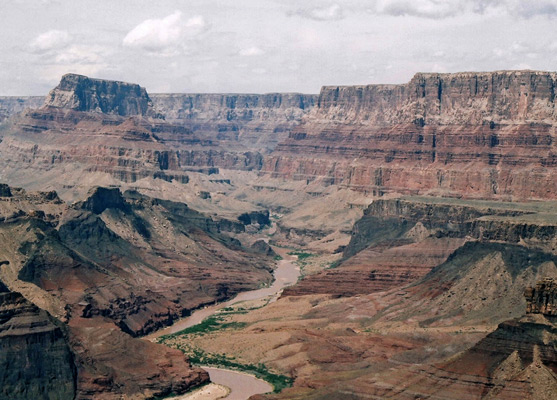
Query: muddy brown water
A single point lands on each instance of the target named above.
(241, 385)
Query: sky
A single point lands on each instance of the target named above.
(261, 46)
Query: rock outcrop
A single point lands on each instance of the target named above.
(11, 105)
(398, 241)
(474, 135)
(138, 261)
(42, 358)
(35, 359)
(542, 298)
(81, 93)
(516, 361)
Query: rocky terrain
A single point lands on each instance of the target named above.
(138, 261)
(35, 358)
(256, 122)
(11, 105)
(42, 358)
(474, 135)
(417, 213)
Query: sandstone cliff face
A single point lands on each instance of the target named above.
(477, 98)
(100, 127)
(240, 121)
(80, 93)
(477, 135)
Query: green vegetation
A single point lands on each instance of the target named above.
(210, 324)
(278, 258)
(301, 255)
(199, 357)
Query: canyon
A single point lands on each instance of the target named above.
(421, 215)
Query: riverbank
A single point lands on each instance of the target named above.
(241, 380)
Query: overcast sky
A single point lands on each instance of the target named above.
(267, 45)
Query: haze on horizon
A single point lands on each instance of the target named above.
(267, 45)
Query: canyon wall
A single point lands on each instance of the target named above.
(10, 105)
(243, 121)
(81, 93)
(475, 135)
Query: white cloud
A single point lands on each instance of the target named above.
(196, 22)
(166, 35)
(331, 13)
(251, 51)
(51, 40)
(438, 9)
(419, 8)
(156, 34)
(82, 54)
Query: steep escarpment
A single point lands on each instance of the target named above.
(243, 121)
(138, 261)
(10, 105)
(400, 240)
(81, 93)
(475, 135)
(91, 129)
(35, 358)
(516, 361)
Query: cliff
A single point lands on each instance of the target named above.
(35, 358)
(474, 135)
(542, 298)
(477, 98)
(242, 121)
(399, 241)
(80, 93)
(10, 105)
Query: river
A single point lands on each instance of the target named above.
(241, 385)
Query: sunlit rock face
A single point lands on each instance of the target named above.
(474, 135)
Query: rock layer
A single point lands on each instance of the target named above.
(475, 135)
(257, 122)
(80, 93)
(10, 105)
(35, 359)
(542, 298)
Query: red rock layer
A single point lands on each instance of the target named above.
(378, 268)
(485, 135)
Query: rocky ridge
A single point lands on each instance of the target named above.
(398, 241)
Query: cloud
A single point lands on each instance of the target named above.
(51, 40)
(165, 35)
(82, 54)
(251, 51)
(438, 9)
(434, 9)
(529, 9)
(331, 13)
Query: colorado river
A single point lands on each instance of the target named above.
(241, 385)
